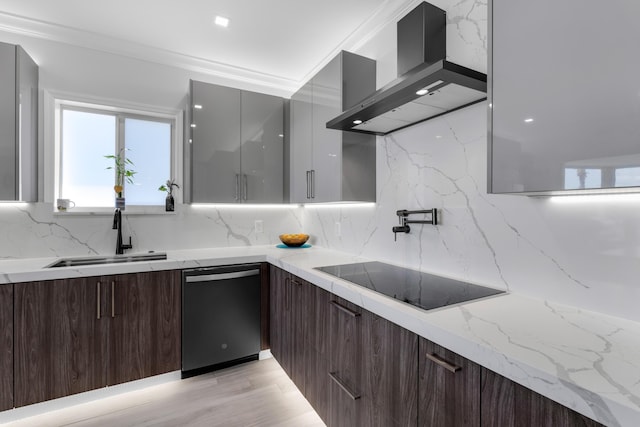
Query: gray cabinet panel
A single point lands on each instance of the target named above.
(564, 96)
(327, 143)
(28, 122)
(7, 122)
(328, 165)
(301, 143)
(216, 143)
(262, 137)
(18, 125)
(237, 145)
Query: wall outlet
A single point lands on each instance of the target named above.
(258, 226)
(338, 229)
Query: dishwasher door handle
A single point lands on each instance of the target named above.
(221, 276)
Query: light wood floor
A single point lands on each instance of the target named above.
(253, 394)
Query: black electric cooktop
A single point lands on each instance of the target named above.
(410, 286)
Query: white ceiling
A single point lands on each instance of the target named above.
(281, 42)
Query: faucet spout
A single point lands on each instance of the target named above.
(117, 224)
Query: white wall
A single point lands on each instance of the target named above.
(583, 251)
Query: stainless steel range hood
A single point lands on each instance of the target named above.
(428, 86)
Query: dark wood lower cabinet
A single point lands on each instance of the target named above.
(298, 318)
(508, 404)
(449, 387)
(144, 338)
(60, 339)
(76, 335)
(6, 347)
(389, 367)
(264, 306)
(345, 363)
(316, 347)
(280, 317)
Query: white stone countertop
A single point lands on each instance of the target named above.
(587, 361)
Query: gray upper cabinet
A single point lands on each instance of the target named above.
(300, 145)
(564, 96)
(328, 165)
(262, 136)
(18, 125)
(236, 145)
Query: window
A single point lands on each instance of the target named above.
(88, 134)
(579, 178)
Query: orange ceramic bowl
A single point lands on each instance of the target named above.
(294, 240)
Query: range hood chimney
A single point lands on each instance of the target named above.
(427, 86)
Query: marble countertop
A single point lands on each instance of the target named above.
(587, 361)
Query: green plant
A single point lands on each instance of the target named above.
(168, 186)
(122, 166)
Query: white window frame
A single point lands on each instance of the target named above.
(52, 124)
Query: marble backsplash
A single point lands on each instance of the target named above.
(33, 230)
(582, 250)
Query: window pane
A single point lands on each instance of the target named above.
(86, 139)
(149, 148)
(628, 177)
(576, 178)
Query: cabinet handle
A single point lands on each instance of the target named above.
(440, 361)
(113, 299)
(344, 309)
(98, 300)
(308, 184)
(313, 184)
(335, 379)
(246, 186)
(237, 187)
(295, 282)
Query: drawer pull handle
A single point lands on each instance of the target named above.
(98, 300)
(113, 299)
(335, 379)
(440, 361)
(295, 282)
(344, 309)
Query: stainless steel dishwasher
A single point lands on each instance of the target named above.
(220, 317)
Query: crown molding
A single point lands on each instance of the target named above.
(33, 28)
(389, 11)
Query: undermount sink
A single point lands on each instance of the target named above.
(116, 259)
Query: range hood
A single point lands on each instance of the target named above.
(428, 85)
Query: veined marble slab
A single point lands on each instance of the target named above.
(587, 361)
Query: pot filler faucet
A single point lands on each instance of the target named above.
(404, 221)
(117, 223)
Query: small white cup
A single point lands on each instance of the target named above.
(65, 204)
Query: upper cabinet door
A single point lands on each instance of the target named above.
(18, 125)
(262, 136)
(328, 165)
(564, 96)
(301, 145)
(8, 122)
(216, 175)
(327, 143)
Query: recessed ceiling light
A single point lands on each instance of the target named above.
(422, 92)
(357, 122)
(198, 107)
(221, 21)
(529, 120)
(193, 125)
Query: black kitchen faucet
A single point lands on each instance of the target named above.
(117, 223)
